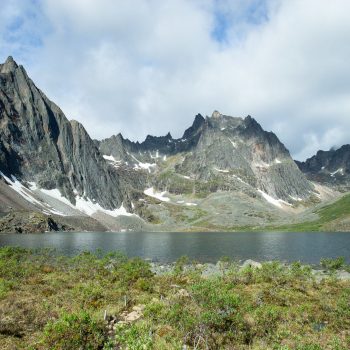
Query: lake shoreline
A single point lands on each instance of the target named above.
(221, 268)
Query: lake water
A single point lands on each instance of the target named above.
(201, 246)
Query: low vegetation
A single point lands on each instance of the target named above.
(84, 302)
(329, 218)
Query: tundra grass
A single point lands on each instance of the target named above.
(53, 302)
(327, 215)
(328, 219)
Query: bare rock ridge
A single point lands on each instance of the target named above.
(39, 144)
(219, 146)
(329, 167)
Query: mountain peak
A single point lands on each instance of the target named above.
(197, 123)
(216, 114)
(9, 66)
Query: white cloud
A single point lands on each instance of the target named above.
(141, 67)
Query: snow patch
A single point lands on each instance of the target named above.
(191, 204)
(222, 170)
(27, 194)
(113, 161)
(261, 164)
(340, 171)
(147, 166)
(32, 186)
(158, 195)
(110, 158)
(20, 189)
(234, 144)
(56, 194)
(297, 199)
(140, 165)
(85, 205)
(276, 202)
(240, 180)
(277, 161)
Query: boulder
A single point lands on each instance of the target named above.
(252, 263)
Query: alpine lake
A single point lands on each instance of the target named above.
(165, 247)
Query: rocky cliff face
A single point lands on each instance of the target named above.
(223, 150)
(39, 144)
(132, 153)
(329, 167)
(242, 148)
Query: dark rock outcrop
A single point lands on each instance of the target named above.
(329, 167)
(38, 143)
(30, 222)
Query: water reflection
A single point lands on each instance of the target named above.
(202, 246)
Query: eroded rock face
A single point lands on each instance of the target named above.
(154, 147)
(329, 167)
(38, 143)
(255, 156)
(219, 147)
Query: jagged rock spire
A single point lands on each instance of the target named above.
(9, 66)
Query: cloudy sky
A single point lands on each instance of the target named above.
(148, 66)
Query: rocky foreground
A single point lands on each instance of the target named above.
(112, 302)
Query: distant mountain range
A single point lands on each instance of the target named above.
(224, 173)
(329, 167)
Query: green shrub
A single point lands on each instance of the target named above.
(90, 294)
(299, 271)
(74, 331)
(5, 287)
(137, 336)
(144, 284)
(267, 317)
(180, 264)
(132, 270)
(218, 301)
(333, 264)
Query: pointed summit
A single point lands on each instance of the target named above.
(216, 114)
(9, 66)
(197, 123)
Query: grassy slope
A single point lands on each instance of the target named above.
(49, 302)
(332, 217)
(328, 214)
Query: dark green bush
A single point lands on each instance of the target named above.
(333, 264)
(132, 270)
(74, 331)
